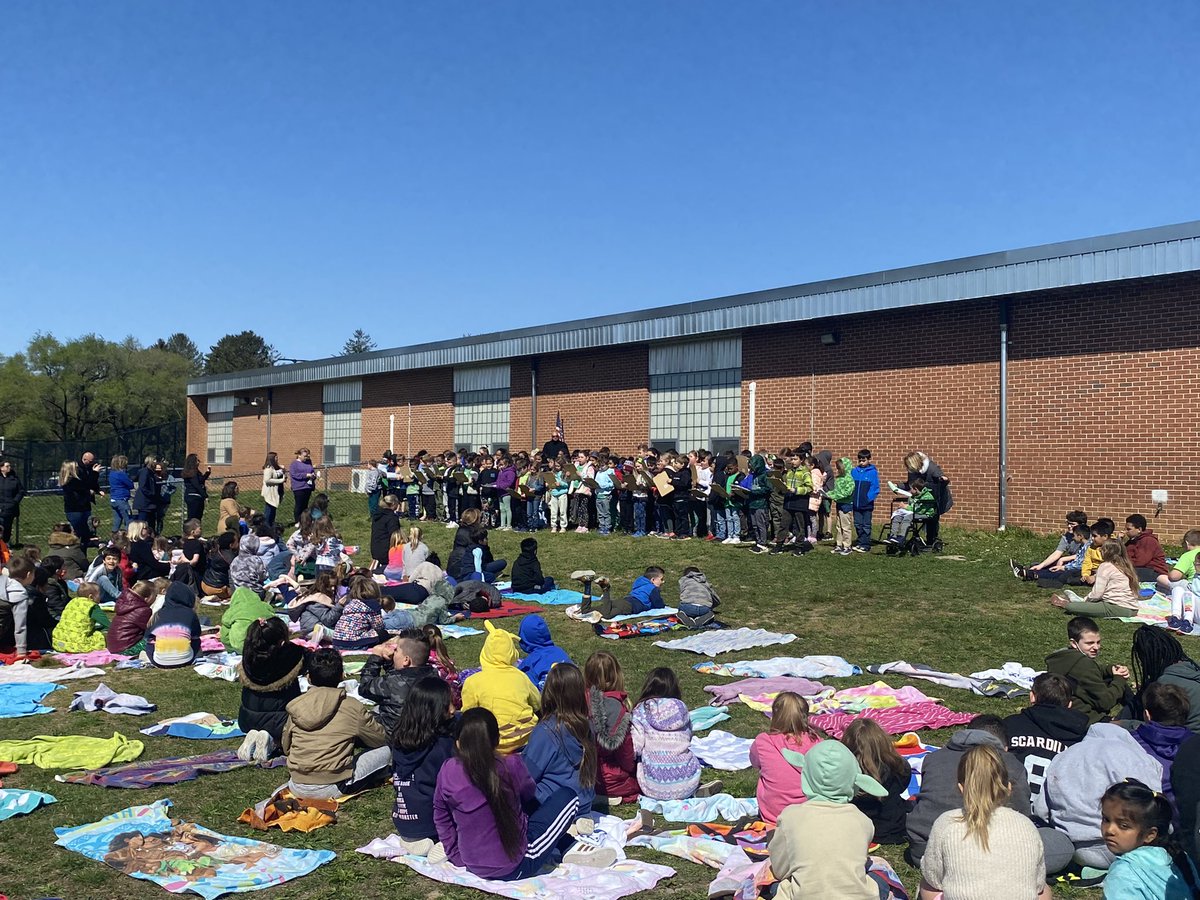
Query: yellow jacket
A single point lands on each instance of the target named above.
(504, 689)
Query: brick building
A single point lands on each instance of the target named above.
(1040, 379)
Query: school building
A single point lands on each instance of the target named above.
(1040, 379)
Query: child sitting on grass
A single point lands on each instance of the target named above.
(697, 599)
(131, 615)
(422, 741)
(82, 626)
(877, 756)
(608, 703)
(662, 736)
(502, 688)
(527, 577)
(1098, 690)
(1175, 583)
(541, 653)
(778, 781)
(1114, 590)
(1149, 863)
(315, 608)
(360, 626)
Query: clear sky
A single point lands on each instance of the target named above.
(427, 170)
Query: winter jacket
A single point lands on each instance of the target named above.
(248, 569)
(1185, 783)
(389, 687)
(130, 618)
(662, 736)
(148, 494)
(1079, 776)
(460, 548)
(937, 481)
(644, 595)
(323, 728)
(141, 554)
(866, 486)
(1185, 674)
(842, 490)
(695, 590)
(173, 636)
(76, 631)
(1097, 690)
(360, 625)
(541, 653)
(216, 568)
(465, 824)
(504, 689)
(77, 496)
(939, 784)
(269, 686)
(58, 595)
(1145, 552)
(527, 574)
(616, 763)
(414, 776)
(1147, 873)
(1039, 733)
(310, 610)
(245, 607)
(760, 488)
(1163, 742)
(12, 492)
(553, 756)
(66, 546)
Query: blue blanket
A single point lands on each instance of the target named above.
(559, 597)
(19, 803)
(22, 699)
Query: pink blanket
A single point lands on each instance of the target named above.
(724, 694)
(94, 658)
(895, 720)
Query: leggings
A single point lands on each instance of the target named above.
(546, 832)
(579, 510)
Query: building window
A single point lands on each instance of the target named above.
(220, 430)
(342, 408)
(481, 395)
(696, 394)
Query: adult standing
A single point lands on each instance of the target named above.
(302, 477)
(195, 489)
(120, 492)
(77, 500)
(165, 490)
(11, 494)
(274, 480)
(556, 445)
(919, 465)
(146, 494)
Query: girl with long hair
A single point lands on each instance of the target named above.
(1115, 592)
(443, 663)
(269, 674)
(394, 570)
(877, 756)
(662, 736)
(414, 552)
(315, 608)
(778, 781)
(422, 741)
(195, 487)
(985, 850)
(274, 479)
(612, 721)
(562, 752)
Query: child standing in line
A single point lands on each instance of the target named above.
(778, 781)
(841, 497)
(1150, 863)
(662, 736)
(605, 481)
(559, 485)
(640, 495)
(866, 489)
(506, 480)
(817, 475)
(729, 524)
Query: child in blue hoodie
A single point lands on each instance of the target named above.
(642, 597)
(866, 489)
(1149, 865)
(541, 653)
(561, 752)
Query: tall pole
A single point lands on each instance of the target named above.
(1002, 507)
(392, 433)
(753, 395)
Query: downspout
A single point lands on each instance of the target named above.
(270, 398)
(1003, 495)
(533, 372)
(753, 396)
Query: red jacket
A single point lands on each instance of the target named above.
(616, 764)
(131, 615)
(1145, 552)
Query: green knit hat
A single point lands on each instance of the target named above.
(829, 771)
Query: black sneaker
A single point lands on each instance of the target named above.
(759, 548)
(778, 548)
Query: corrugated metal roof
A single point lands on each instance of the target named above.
(1133, 254)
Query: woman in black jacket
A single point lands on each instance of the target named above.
(195, 488)
(384, 523)
(141, 553)
(77, 501)
(269, 673)
(11, 494)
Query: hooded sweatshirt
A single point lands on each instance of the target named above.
(866, 486)
(1039, 733)
(939, 784)
(1146, 873)
(268, 686)
(14, 595)
(1079, 776)
(662, 737)
(541, 653)
(527, 574)
(1097, 691)
(323, 728)
(173, 639)
(1145, 552)
(245, 606)
(553, 756)
(414, 776)
(130, 618)
(616, 763)
(695, 590)
(504, 689)
(1185, 674)
(248, 569)
(842, 491)
(760, 488)
(1163, 742)
(465, 824)
(76, 631)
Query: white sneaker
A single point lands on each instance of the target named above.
(417, 848)
(262, 746)
(451, 525)
(582, 575)
(246, 752)
(437, 853)
(586, 854)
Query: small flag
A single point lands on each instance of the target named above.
(558, 426)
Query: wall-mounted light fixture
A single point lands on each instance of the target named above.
(830, 338)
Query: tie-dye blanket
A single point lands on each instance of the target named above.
(201, 726)
(20, 803)
(702, 850)
(559, 597)
(722, 750)
(702, 809)
(729, 692)
(17, 700)
(143, 841)
(797, 667)
(714, 643)
(1154, 609)
(850, 700)
(166, 771)
(566, 882)
(896, 720)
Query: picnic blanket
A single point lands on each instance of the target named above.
(199, 726)
(184, 856)
(868, 696)
(171, 770)
(722, 750)
(7, 658)
(17, 700)
(507, 608)
(712, 643)
(798, 667)
(15, 802)
(1004, 682)
(559, 597)
(706, 717)
(896, 720)
(730, 691)
(285, 811)
(702, 850)
(24, 673)
(210, 643)
(209, 669)
(458, 631)
(94, 658)
(105, 698)
(71, 751)
(752, 836)
(1154, 609)
(566, 882)
(914, 751)
(702, 809)
(616, 631)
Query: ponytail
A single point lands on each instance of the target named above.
(414, 537)
(985, 788)
(263, 637)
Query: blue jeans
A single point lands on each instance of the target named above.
(862, 527)
(81, 525)
(533, 515)
(639, 515)
(269, 514)
(120, 511)
(604, 512)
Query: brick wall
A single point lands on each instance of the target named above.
(431, 393)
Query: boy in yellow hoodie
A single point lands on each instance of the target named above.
(503, 689)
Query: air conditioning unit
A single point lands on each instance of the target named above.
(358, 480)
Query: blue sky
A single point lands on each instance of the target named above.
(426, 170)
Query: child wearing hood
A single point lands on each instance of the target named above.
(667, 768)
(841, 499)
(173, 638)
(866, 489)
(1165, 728)
(697, 599)
(760, 491)
(245, 607)
(820, 846)
(502, 688)
(269, 674)
(527, 577)
(541, 653)
(248, 569)
(609, 712)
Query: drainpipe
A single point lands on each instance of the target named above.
(392, 433)
(1003, 496)
(753, 395)
(533, 435)
(270, 397)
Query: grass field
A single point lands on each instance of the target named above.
(954, 614)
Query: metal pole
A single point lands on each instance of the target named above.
(753, 394)
(1003, 496)
(392, 433)
(409, 453)
(533, 370)
(270, 398)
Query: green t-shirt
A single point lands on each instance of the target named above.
(1187, 563)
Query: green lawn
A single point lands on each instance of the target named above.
(955, 614)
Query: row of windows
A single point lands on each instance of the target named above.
(696, 409)
(481, 418)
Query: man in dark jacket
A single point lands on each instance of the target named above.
(1047, 727)
(390, 673)
(12, 492)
